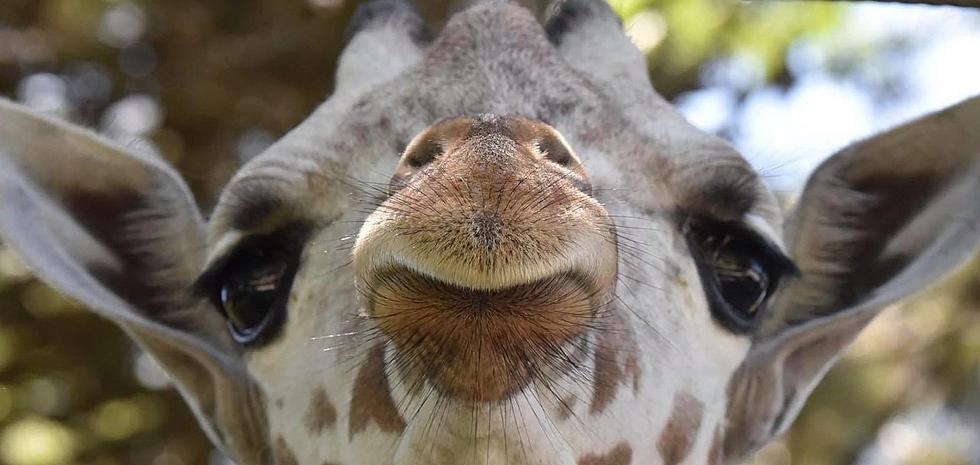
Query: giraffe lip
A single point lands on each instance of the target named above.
(471, 278)
(411, 281)
(528, 255)
(480, 345)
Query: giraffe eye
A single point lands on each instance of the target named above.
(739, 271)
(251, 295)
(251, 287)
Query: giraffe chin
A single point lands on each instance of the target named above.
(483, 345)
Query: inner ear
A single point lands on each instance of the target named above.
(880, 205)
(878, 221)
(119, 231)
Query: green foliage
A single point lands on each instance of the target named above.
(697, 31)
(221, 71)
(68, 391)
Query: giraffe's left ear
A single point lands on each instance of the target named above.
(878, 221)
(118, 230)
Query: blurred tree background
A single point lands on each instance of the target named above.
(209, 84)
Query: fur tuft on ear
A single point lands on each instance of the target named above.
(591, 38)
(878, 221)
(384, 38)
(119, 231)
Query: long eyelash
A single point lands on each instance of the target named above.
(786, 266)
(286, 245)
(206, 283)
(778, 266)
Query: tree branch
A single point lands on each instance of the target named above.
(959, 3)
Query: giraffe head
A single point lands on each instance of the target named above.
(497, 246)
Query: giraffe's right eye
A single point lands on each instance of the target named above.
(251, 288)
(739, 271)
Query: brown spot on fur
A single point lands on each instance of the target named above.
(632, 370)
(284, 455)
(622, 454)
(321, 413)
(677, 438)
(566, 407)
(371, 397)
(714, 454)
(511, 329)
(617, 362)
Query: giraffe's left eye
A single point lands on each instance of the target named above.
(739, 270)
(252, 293)
(251, 286)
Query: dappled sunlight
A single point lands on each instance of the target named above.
(34, 441)
(207, 86)
(73, 390)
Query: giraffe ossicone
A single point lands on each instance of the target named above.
(492, 245)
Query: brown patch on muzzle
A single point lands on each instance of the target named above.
(482, 345)
(489, 259)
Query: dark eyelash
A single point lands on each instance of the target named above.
(284, 243)
(204, 286)
(700, 234)
(785, 265)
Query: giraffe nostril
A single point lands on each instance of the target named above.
(416, 157)
(424, 153)
(563, 159)
(556, 152)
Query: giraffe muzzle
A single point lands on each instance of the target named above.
(489, 256)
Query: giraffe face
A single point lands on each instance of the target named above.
(479, 286)
(487, 259)
(500, 246)
(488, 300)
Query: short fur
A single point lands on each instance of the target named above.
(493, 262)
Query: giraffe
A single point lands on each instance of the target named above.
(493, 245)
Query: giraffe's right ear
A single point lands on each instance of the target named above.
(384, 38)
(880, 220)
(118, 230)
